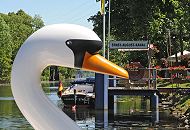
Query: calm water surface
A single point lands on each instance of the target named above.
(130, 113)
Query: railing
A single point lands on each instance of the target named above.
(153, 78)
(168, 77)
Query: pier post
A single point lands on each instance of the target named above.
(154, 100)
(101, 91)
(112, 98)
(101, 119)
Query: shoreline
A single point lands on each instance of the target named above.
(179, 107)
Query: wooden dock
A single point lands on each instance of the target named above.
(135, 92)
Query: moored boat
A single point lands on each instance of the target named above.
(79, 94)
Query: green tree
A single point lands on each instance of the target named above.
(5, 51)
(20, 26)
(170, 16)
(147, 20)
(129, 21)
(37, 22)
(67, 73)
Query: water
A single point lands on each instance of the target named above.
(131, 113)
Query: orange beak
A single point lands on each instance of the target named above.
(99, 64)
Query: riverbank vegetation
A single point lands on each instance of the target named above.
(179, 103)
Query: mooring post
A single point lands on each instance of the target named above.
(101, 91)
(101, 119)
(112, 98)
(155, 117)
(101, 100)
(154, 100)
(112, 106)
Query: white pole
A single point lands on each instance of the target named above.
(149, 65)
(104, 30)
(109, 18)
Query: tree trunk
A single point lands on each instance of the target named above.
(54, 73)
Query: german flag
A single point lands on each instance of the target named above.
(102, 11)
(60, 89)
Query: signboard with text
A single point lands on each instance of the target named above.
(128, 45)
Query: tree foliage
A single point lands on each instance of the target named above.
(5, 51)
(170, 16)
(147, 20)
(21, 28)
(37, 22)
(15, 28)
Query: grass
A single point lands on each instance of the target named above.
(185, 84)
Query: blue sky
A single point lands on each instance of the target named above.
(55, 11)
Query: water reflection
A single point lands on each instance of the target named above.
(98, 119)
(130, 113)
(84, 117)
(11, 117)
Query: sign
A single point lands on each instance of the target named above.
(135, 70)
(128, 45)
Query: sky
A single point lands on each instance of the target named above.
(55, 11)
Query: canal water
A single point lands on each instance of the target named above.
(129, 113)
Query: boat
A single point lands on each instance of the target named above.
(80, 93)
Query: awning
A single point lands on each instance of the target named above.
(172, 57)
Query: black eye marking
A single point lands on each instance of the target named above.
(80, 47)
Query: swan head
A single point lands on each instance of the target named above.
(61, 45)
(76, 47)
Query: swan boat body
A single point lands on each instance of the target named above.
(64, 45)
